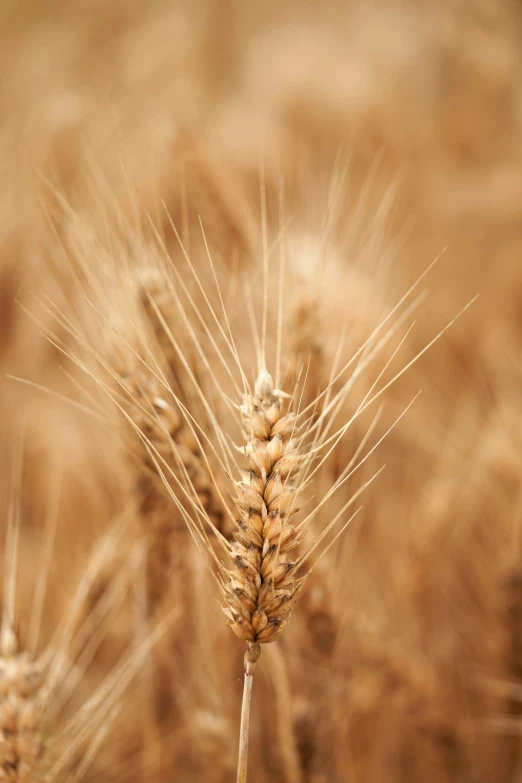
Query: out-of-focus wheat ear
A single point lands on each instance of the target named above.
(22, 688)
(156, 303)
(368, 351)
(76, 738)
(380, 675)
(307, 350)
(320, 614)
(20, 677)
(28, 675)
(130, 364)
(210, 752)
(171, 454)
(169, 437)
(210, 194)
(167, 431)
(23, 678)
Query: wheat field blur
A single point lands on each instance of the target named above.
(365, 138)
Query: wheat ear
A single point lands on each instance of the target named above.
(261, 588)
(20, 710)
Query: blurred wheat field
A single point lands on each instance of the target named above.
(351, 143)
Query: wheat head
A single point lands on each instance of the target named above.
(261, 588)
(21, 691)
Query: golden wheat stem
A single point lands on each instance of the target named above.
(251, 656)
(245, 724)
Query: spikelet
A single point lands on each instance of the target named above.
(261, 588)
(21, 692)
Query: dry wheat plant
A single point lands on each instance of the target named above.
(278, 463)
(218, 306)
